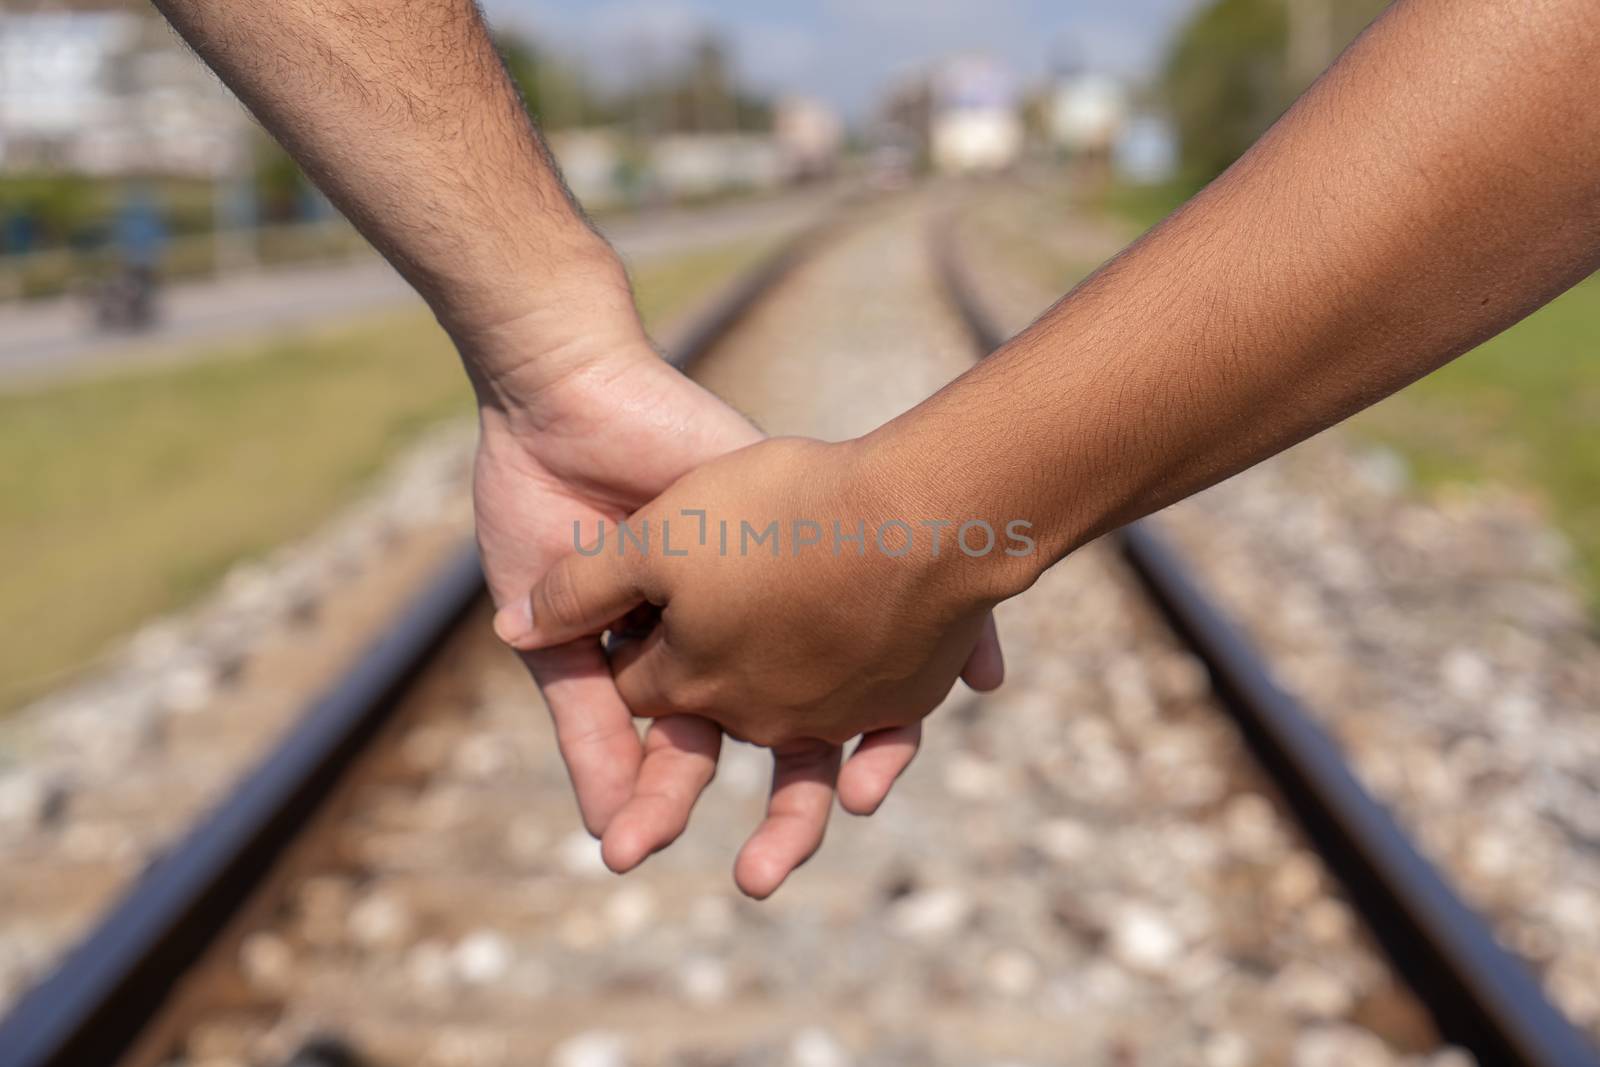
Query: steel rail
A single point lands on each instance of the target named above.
(105, 993)
(1480, 996)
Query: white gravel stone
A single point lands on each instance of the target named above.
(1298, 881)
(381, 920)
(816, 1047)
(1252, 826)
(483, 957)
(1227, 1050)
(1064, 840)
(1328, 921)
(598, 1048)
(1340, 1046)
(971, 778)
(629, 911)
(703, 981)
(189, 688)
(26, 798)
(267, 962)
(1012, 973)
(580, 856)
(483, 756)
(930, 913)
(1144, 940)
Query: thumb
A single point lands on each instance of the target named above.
(579, 596)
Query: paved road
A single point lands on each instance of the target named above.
(55, 339)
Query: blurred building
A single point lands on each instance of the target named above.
(1085, 113)
(810, 136)
(975, 120)
(606, 167)
(107, 93)
(691, 165)
(900, 131)
(594, 163)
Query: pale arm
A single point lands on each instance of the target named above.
(402, 112)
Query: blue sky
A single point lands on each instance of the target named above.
(845, 50)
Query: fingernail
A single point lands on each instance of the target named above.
(514, 622)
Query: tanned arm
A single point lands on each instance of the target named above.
(1438, 184)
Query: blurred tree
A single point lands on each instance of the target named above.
(708, 86)
(555, 93)
(1237, 65)
(280, 187)
(699, 93)
(56, 206)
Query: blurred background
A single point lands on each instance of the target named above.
(230, 433)
(145, 220)
(144, 216)
(142, 213)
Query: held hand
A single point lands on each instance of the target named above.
(587, 426)
(771, 629)
(590, 442)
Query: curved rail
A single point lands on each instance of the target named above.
(105, 994)
(1480, 996)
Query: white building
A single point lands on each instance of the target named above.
(111, 92)
(604, 168)
(1087, 113)
(976, 121)
(810, 135)
(593, 162)
(688, 165)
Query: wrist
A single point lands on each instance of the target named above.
(562, 324)
(972, 550)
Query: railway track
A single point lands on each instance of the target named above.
(1093, 870)
(1482, 998)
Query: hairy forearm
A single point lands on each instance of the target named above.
(1438, 184)
(403, 113)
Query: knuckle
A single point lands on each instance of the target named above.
(558, 599)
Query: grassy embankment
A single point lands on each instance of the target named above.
(124, 497)
(1523, 410)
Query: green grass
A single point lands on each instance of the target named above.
(669, 288)
(121, 499)
(1522, 410)
(126, 497)
(1142, 206)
